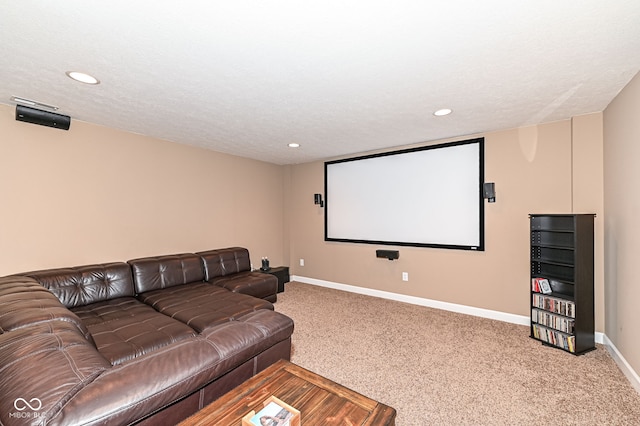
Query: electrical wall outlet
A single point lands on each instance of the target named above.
(301, 262)
(405, 276)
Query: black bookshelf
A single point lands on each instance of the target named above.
(562, 253)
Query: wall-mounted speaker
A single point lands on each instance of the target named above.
(489, 191)
(388, 254)
(43, 118)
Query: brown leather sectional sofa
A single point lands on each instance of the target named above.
(149, 341)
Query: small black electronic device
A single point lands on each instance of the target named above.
(265, 264)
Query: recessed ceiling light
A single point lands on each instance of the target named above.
(441, 112)
(294, 145)
(82, 77)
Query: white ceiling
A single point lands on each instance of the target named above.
(247, 77)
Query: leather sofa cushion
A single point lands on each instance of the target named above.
(155, 273)
(227, 261)
(83, 285)
(202, 305)
(255, 284)
(262, 329)
(125, 328)
(48, 361)
(25, 302)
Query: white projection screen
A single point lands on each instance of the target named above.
(427, 197)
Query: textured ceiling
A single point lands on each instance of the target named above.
(338, 77)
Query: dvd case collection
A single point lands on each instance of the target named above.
(555, 305)
(553, 337)
(552, 318)
(563, 324)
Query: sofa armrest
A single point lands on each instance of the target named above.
(132, 390)
(25, 302)
(44, 365)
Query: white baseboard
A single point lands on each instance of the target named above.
(469, 310)
(624, 366)
(453, 307)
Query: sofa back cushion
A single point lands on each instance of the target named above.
(155, 273)
(83, 285)
(227, 261)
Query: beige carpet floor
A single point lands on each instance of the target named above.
(442, 368)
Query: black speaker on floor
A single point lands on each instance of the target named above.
(43, 118)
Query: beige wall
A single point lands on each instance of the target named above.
(588, 193)
(622, 232)
(95, 194)
(534, 172)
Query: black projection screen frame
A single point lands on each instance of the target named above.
(472, 194)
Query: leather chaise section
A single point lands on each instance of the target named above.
(171, 373)
(125, 328)
(256, 284)
(256, 331)
(202, 305)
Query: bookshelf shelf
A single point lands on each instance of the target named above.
(562, 255)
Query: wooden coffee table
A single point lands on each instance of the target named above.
(319, 400)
